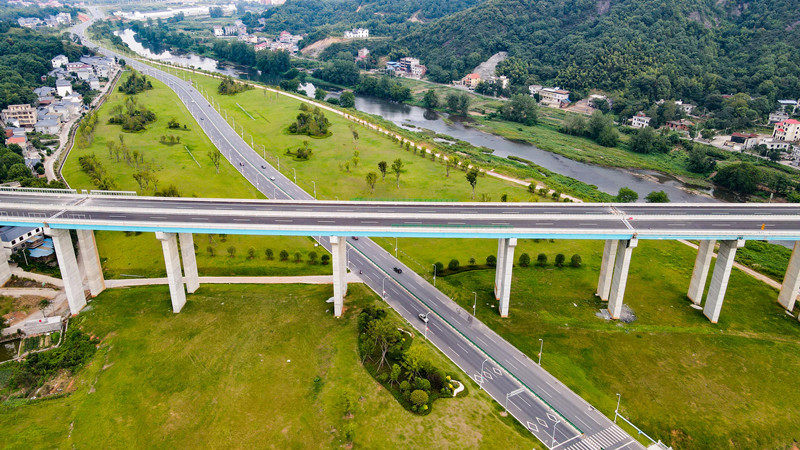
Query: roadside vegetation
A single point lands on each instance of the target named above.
(159, 378)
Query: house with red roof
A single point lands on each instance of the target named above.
(787, 130)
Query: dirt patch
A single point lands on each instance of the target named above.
(62, 383)
(486, 69)
(415, 17)
(315, 49)
(17, 282)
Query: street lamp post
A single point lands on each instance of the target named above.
(480, 385)
(434, 275)
(395, 247)
(383, 288)
(295, 175)
(475, 304)
(315, 189)
(616, 411)
(553, 438)
(541, 346)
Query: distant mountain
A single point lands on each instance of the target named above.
(647, 49)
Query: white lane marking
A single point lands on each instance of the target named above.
(518, 360)
(241, 220)
(456, 223)
(117, 217)
(416, 223)
(525, 401)
(544, 223)
(326, 221)
(199, 218)
(283, 220)
(552, 386)
(512, 365)
(500, 223)
(479, 338)
(369, 221)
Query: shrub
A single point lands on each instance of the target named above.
(524, 260)
(268, 253)
(439, 267)
(541, 259)
(491, 260)
(251, 253)
(576, 260)
(472, 261)
(284, 255)
(232, 251)
(312, 257)
(419, 398)
(422, 384)
(453, 264)
(404, 385)
(298, 256)
(211, 251)
(560, 258)
(325, 258)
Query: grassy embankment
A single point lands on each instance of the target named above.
(141, 254)
(421, 178)
(683, 380)
(238, 368)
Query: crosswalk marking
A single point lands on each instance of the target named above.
(603, 439)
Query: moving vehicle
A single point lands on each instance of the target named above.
(423, 317)
(398, 270)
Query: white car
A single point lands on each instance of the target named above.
(423, 317)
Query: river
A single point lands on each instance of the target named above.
(608, 180)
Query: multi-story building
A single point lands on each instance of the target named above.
(59, 61)
(356, 33)
(640, 120)
(63, 87)
(13, 238)
(22, 115)
(554, 97)
(787, 130)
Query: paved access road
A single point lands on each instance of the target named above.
(554, 414)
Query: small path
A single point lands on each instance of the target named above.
(15, 270)
(759, 276)
(308, 279)
(19, 292)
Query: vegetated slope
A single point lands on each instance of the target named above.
(380, 16)
(651, 48)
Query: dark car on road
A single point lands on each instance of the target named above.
(398, 270)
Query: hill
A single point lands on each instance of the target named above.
(648, 49)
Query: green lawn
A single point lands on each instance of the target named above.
(683, 380)
(237, 368)
(141, 254)
(421, 178)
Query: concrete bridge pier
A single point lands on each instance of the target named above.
(169, 243)
(73, 284)
(503, 273)
(622, 263)
(189, 262)
(607, 269)
(87, 250)
(719, 279)
(498, 271)
(700, 273)
(339, 262)
(5, 269)
(791, 281)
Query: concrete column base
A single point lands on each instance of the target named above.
(620, 278)
(73, 285)
(505, 282)
(189, 262)
(607, 269)
(169, 243)
(339, 262)
(719, 279)
(87, 248)
(791, 281)
(5, 269)
(697, 285)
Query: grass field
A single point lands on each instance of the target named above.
(141, 254)
(421, 178)
(237, 368)
(683, 380)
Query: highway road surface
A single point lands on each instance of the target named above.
(547, 408)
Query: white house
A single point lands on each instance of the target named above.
(356, 33)
(63, 87)
(59, 61)
(640, 120)
(94, 83)
(47, 126)
(787, 130)
(778, 116)
(553, 97)
(14, 237)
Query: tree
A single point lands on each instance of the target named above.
(491, 260)
(395, 374)
(347, 100)
(627, 195)
(608, 136)
(453, 264)
(312, 257)
(643, 140)
(742, 177)
(320, 94)
(524, 260)
(418, 398)
(324, 259)
(298, 257)
(268, 253)
(472, 178)
(431, 99)
(560, 258)
(575, 260)
(215, 156)
(284, 255)
(397, 168)
(382, 168)
(251, 253)
(541, 259)
(232, 251)
(43, 305)
(347, 402)
(439, 267)
(371, 179)
(211, 251)
(521, 108)
(385, 335)
(657, 197)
